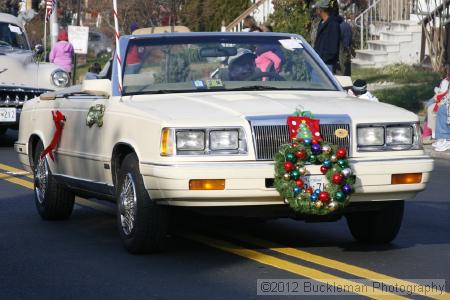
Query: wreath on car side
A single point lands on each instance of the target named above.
(292, 174)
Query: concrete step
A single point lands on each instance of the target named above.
(384, 46)
(359, 63)
(393, 36)
(371, 55)
(405, 26)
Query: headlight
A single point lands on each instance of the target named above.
(381, 137)
(190, 140)
(205, 141)
(370, 136)
(399, 135)
(60, 78)
(224, 140)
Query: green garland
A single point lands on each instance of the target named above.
(302, 199)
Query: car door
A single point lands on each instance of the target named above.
(80, 153)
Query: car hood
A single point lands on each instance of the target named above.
(223, 106)
(19, 69)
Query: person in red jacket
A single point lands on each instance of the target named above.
(133, 61)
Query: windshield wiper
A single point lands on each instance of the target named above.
(274, 88)
(256, 88)
(173, 91)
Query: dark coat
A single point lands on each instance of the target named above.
(346, 34)
(327, 40)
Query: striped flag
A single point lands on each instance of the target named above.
(49, 6)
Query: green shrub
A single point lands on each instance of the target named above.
(207, 15)
(291, 16)
(398, 73)
(409, 97)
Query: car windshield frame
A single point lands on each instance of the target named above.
(6, 44)
(327, 81)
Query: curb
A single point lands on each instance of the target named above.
(436, 154)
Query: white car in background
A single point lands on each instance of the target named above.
(21, 76)
(195, 126)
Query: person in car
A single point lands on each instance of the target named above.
(242, 66)
(269, 58)
(133, 62)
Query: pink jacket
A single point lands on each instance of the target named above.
(266, 59)
(62, 55)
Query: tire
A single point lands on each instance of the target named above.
(3, 130)
(377, 227)
(53, 200)
(142, 224)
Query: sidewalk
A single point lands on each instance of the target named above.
(435, 154)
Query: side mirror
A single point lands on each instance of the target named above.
(344, 81)
(38, 49)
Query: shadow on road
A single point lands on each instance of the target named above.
(423, 224)
(98, 227)
(7, 140)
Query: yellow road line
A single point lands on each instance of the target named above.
(334, 264)
(15, 180)
(80, 201)
(14, 170)
(357, 288)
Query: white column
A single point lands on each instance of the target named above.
(54, 28)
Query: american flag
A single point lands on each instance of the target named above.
(49, 6)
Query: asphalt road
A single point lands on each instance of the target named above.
(82, 258)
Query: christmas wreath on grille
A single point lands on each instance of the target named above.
(308, 147)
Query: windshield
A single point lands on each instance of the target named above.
(12, 36)
(172, 64)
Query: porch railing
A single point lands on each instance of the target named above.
(262, 8)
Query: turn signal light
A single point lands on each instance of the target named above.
(166, 142)
(408, 178)
(206, 184)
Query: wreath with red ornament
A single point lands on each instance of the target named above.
(297, 161)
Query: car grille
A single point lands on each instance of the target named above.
(16, 97)
(268, 138)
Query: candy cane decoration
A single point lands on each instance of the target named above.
(117, 34)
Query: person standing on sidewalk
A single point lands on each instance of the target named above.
(328, 35)
(62, 53)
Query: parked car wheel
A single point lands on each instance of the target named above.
(53, 200)
(378, 227)
(142, 223)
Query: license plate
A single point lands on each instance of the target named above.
(7, 114)
(315, 181)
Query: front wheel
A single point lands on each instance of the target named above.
(142, 223)
(53, 200)
(377, 227)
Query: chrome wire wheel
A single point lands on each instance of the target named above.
(128, 204)
(41, 179)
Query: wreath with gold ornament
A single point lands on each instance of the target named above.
(295, 161)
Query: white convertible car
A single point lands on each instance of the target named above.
(197, 123)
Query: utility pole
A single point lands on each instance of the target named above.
(74, 81)
(54, 28)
